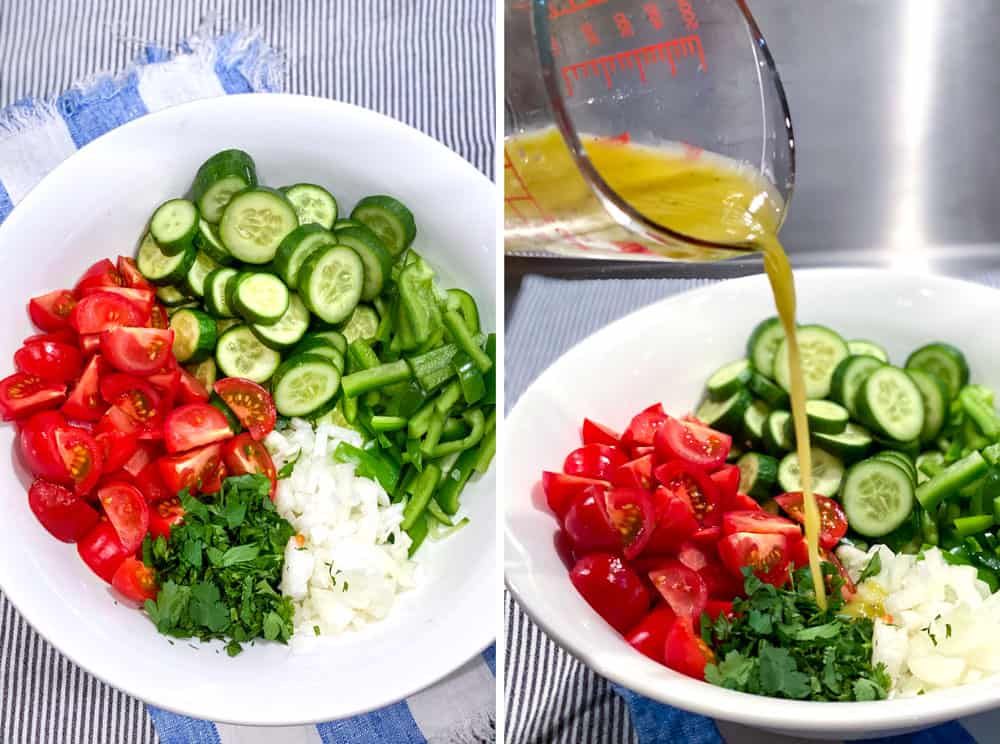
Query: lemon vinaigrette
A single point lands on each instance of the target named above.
(695, 193)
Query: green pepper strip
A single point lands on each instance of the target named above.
(369, 464)
(418, 533)
(929, 528)
(977, 402)
(448, 397)
(419, 421)
(463, 337)
(434, 510)
(455, 479)
(459, 299)
(490, 397)
(362, 354)
(415, 303)
(357, 383)
(421, 491)
(433, 436)
(434, 367)
(966, 526)
(388, 423)
(470, 378)
(487, 449)
(477, 421)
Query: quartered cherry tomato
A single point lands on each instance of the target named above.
(85, 402)
(251, 404)
(138, 351)
(244, 455)
(594, 461)
(135, 580)
(194, 425)
(52, 361)
(102, 550)
(63, 335)
(832, 520)
(683, 588)
(197, 470)
(685, 651)
(164, 515)
(37, 444)
(727, 483)
(848, 589)
(158, 317)
(130, 274)
(766, 554)
(189, 388)
(698, 446)
(118, 436)
(101, 274)
(649, 637)
(614, 590)
(642, 429)
(90, 343)
(560, 489)
(636, 473)
(595, 433)
(675, 521)
(587, 524)
(143, 299)
(127, 511)
(23, 394)
(150, 482)
(679, 477)
(102, 311)
(760, 522)
(81, 454)
(137, 399)
(64, 514)
(631, 514)
(52, 311)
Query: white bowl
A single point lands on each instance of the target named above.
(664, 352)
(95, 205)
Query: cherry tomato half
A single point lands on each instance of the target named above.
(101, 550)
(594, 461)
(194, 425)
(679, 477)
(85, 403)
(64, 514)
(37, 444)
(138, 351)
(51, 360)
(637, 473)
(595, 433)
(143, 299)
(135, 580)
(683, 588)
(727, 483)
(612, 589)
(696, 445)
(631, 514)
(243, 455)
(587, 524)
(766, 554)
(190, 389)
(90, 343)
(127, 511)
(832, 520)
(642, 429)
(130, 274)
(685, 651)
(251, 404)
(199, 470)
(560, 489)
(81, 455)
(150, 482)
(164, 516)
(117, 434)
(102, 311)
(675, 521)
(649, 637)
(63, 335)
(760, 522)
(101, 274)
(52, 311)
(23, 394)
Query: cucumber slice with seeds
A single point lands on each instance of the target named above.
(313, 204)
(877, 497)
(827, 473)
(195, 280)
(296, 247)
(726, 380)
(943, 361)
(767, 391)
(754, 419)
(362, 324)
(853, 443)
(389, 219)
(172, 296)
(821, 350)
(260, 298)
(194, 335)
(321, 347)
(848, 378)
(903, 461)
(303, 384)
(205, 372)
(158, 267)
(892, 404)
(255, 222)
(777, 432)
(330, 282)
(240, 354)
(826, 417)
(863, 347)
(335, 338)
(758, 474)
(763, 343)
(289, 329)
(377, 260)
(207, 241)
(726, 415)
(219, 177)
(174, 225)
(215, 298)
(936, 402)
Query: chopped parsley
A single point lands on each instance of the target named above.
(781, 644)
(220, 568)
(874, 567)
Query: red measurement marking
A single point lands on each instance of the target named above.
(572, 7)
(624, 138)
(638, 59)
(654, 15)
(587, 29)
(688, 14)
(624, 25)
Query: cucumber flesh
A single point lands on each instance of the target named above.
(216, 301)
(821, 350)
(863, 347)
(195, 280)
(827, 473)
(313, 204)
(767, 391)
(195, 335)
(219, 178)
(848, 378)
(160, 268)
(762, 345)
(330, 282)
(728, 379)
(877, 497)
(851, 444)
(255, 222)
(207, 241)
(777, 432)
(289, 329)
(261, 298)
(758, 474)
(240, 354)
(174, 225)
(726, 415)
(891, 403)
(754, 419)
(943, 361)
(826, 417)
(389, 219)
(377, 260)
(362, 324)
(935, 395)
(303, 384)
(296, 247)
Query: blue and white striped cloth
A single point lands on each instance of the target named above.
(552, 698)
(426, 62)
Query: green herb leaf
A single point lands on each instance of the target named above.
(288, 467)
(874, 567)
(239, 554)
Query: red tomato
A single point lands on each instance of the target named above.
(848, 590)
(614, 590)
(190, 388)
(85, 403)
(194, 425)
(727, 482)
(38, 446)
(22, 395)
(158, 317)
(90, 343)
(740, 502)
(52, 311)
(587, 525)
(692, 555)
(682, 587)
(51, 360)
(135, 580)
(637, 473)
(707, 535)
(63, 336)
(649, 637)
(102, 550)
(243, 455)
(685, 651)
(696, 445)
(61, 512)
(137, 399)
(150, 482)
(766, 554)
(139, 351)
(675, 521)
(168, 383)
(700, 490)
(101, 274)
(103, 311)
(118, 437)
(81, 455)
(641, 451)
(251, 404)
(131, 275)
(163, 515)
(126, 509)
(631, 514)
(560, 489)
(594, 461)
(198, 470)
(760, 522)
(832, 520)
(144, 454)
(798, 552)
(716, 607)
(595, 433)
(143, 299)
(644, 425)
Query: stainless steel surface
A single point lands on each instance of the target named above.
(896, 107)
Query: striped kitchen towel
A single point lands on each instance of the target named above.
(44, 698)
(552, 697)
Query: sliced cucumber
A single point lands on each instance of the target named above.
(848, 378)
(903, 461)
(289, 329)
(762, 345)
(758, 474)
(219, 177)
(313, 204)
(260, 298)
(911, 448)
(241, 354)
(389, 219)
(778, 433)
(892, 404)
(943, 361)
(215, 293)
(303, 384)
(767, 391)
(336, 339)
(207, 241)
(936, 399)
(255, 222)
(377, 260)
(345, 223)
(205, 372)
(821, 350)
(194, 335)
(826, 417)
(224, 324)
(296, 247)
(726, 415)
(726, 380)
(189, 304)
(362, 324)
(754, 419)
(172, 296)
(158, 267)
(174, 225)
(851, 444)
(863, 347)
(195, 280)
(330, 282)
(321, 347)
(827, 472)
(877, 497)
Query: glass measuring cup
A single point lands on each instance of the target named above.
(692, 77)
